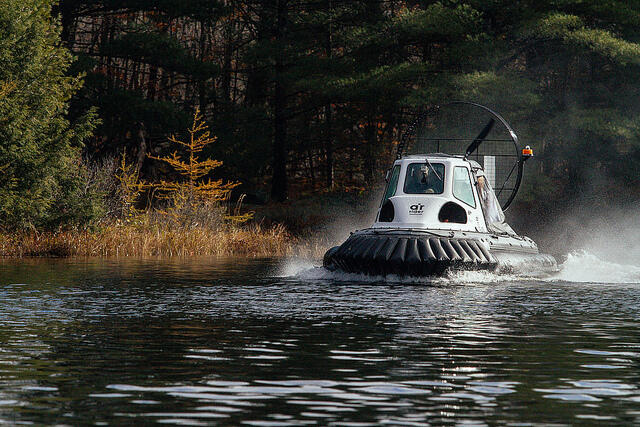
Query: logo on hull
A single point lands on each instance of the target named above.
(417, 209)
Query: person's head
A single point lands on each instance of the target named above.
(481, 182)
(424, 174)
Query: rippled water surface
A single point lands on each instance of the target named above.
(232, 342)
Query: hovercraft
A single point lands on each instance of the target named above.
(440, 212)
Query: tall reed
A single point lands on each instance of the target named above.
(157, 239)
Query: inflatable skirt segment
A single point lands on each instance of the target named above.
(408, 254)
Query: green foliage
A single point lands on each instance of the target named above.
(160, 50)
(330, 83)
(572, 31)
(42, 181)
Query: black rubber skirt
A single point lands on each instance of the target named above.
(407, 254)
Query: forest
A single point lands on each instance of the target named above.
(306, 98)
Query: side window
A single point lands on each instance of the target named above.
(462, 189)
(393, 183)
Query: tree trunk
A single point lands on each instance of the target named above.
(65, 9)
(328, 146)
(312, 173)
(202, 89)
(152, 84)
(254, 94)
(226, 63)
(142, 147)
(369, 165)
(328, 141)
(279, 183)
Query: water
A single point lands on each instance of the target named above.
(268, 343)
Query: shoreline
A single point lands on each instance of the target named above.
(305, 227)
(120, 241)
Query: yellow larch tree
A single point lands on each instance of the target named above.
(195, 191)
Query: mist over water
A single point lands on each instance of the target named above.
(596, 245)
(587, 267)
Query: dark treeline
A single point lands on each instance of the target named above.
(312, 95)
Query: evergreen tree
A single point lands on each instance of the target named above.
(42, 179)
(386, 56)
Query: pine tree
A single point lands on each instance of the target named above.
(42, 180)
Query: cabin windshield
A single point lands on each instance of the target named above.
(422, 179)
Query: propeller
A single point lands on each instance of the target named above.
(479, 139)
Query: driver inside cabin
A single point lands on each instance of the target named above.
(424, 179)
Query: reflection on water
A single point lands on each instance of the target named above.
(229, 342)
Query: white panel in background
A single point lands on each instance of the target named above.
(490, 169)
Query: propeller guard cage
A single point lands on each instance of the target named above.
(446, 128)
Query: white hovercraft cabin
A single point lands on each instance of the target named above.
(440, 192)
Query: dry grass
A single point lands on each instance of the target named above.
(131, 240)
(201, 231)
